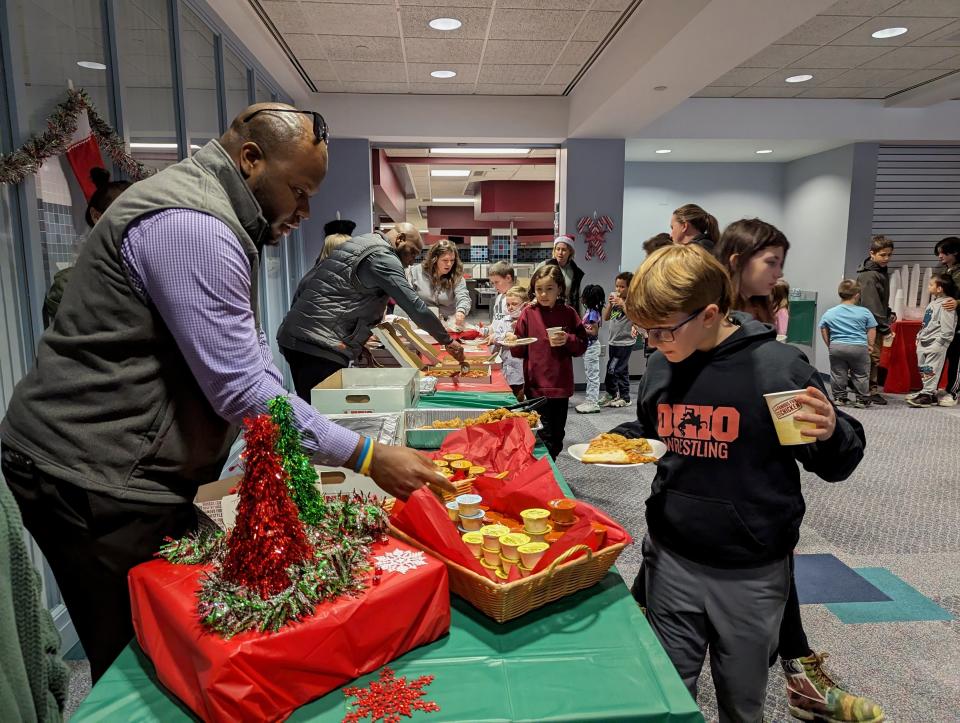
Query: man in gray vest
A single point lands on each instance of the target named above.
(155, 358)
(344, 296)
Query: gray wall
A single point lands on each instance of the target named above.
(347, 189)
(729, 191)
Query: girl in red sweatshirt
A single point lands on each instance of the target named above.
(548, 362)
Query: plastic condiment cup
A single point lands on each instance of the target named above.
(492, 534)
(476, 471)
(600, 532)
(539, 536)
(473, 540)
(491, 556)
(535, 520)
(453, 510)
(562, 511)
(783, 407)
(461, 465)
(507, 564)
(472, 523)
(524, 571)
(510, 543)
(489, 566)
(501, 575)
(531, 553)
(452, 457)
(469, 504)
(441, 463)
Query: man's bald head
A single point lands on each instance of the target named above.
(406, 238)
(281, 159)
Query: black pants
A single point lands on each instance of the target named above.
(91, 542)
(617, 381)
(953, 367)
(553, 415)
(308, 370)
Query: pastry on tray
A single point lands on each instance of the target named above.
(617, 449)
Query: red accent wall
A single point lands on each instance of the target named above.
(506, 200)
(388, 195)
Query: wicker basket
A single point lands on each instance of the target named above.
(506, 601)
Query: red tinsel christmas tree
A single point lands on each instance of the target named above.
(268, 537)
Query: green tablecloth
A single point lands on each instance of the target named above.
(588, 657)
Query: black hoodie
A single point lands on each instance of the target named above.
(726, 493)
(874, 281)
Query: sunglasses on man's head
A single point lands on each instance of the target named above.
(320, 130)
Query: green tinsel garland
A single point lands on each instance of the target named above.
(342, 537)
(301, 475)
(61, 126)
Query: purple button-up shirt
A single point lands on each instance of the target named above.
(192, 268)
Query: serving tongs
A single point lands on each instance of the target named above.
(529, 405)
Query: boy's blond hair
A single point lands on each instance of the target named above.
(675, 280)
(518, 292)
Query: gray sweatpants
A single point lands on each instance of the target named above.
(930, 363)
(853, 361)
(734, 612)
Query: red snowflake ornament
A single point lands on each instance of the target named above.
(389, 698)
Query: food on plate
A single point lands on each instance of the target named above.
(616, 449)
(494, 415)
(448, 373)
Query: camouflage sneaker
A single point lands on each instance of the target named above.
(813, 696)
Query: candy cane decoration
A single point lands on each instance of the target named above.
(594, 230)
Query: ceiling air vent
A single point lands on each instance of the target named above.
(478, 174)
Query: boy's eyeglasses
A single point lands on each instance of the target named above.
(666, 333)
(320, 130)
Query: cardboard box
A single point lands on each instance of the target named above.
(353, 390)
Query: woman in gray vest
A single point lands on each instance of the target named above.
(439, 282)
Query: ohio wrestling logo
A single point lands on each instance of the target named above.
(697, 430)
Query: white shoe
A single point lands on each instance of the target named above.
(604, 399)
(618, 402)
(948, 401)
(587, 408)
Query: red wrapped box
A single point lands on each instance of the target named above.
(266, 676)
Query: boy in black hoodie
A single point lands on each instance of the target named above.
(725, 510)
(874, 279)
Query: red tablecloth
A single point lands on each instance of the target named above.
(900, 360)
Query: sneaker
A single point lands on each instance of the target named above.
(813, 696)
(911, 395)
(948, 400)
(923, 400)
(618, 402)
(588, 408)
(605, 399)
(878, 399)
(842, 401)
(858, 404)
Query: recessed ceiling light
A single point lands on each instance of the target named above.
(443, 73)
(449, 173)
(888, 33)
(799, 78)
(445, 23)
(482, 151)
(664, 150)
(764, 151)
(458, 199)
(154, 146)
(91, 64)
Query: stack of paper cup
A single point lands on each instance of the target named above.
(898, 305)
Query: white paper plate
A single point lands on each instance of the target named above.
(578, 450)
(520, 342)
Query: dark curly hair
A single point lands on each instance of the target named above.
(592, 297)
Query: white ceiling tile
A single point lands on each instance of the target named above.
(349, 71)
(842, 56)
(577, 53)
(742, 77)
(362, 47)
(917, 77)
(562, 74)
(375, 21)
(951, 63)
(596, 25)
(328, 86)
(949, 35)
(820, 76)
(864, 8)
(415, 21)
(758, 91)
(319, 69)
(777, 56)
(917, 29)
(911, 58)
(522, 52)
(876, 93)
(305, 47)
(287, 16)
(865, 78)
(546, 89)
(618, 5)
(825, 92)
(545, 4)
(924, 9)
(513, 24)
(717, 92)
(420, 73)
(504, 74)
(447, 4)
(507, 89)
(376, 87)
(821, 29)
(435, 50)
(347, 2)
(439, 88)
